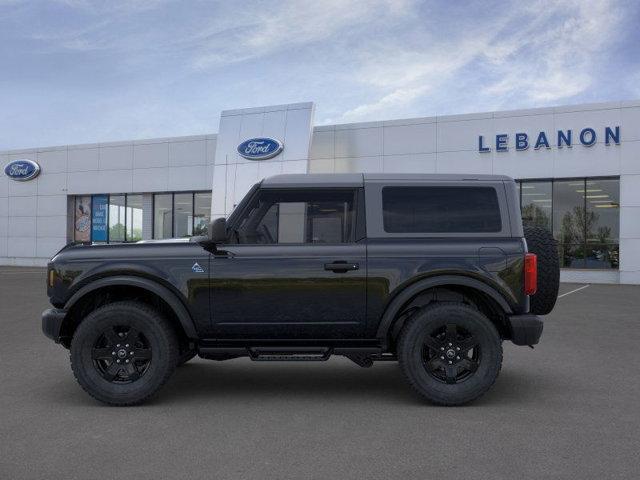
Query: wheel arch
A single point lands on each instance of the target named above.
(98, 292)
(486, 298)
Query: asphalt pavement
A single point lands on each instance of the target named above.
(567, 410)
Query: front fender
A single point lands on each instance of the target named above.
(163, 292)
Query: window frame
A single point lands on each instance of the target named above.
(173, 210)
(392, 198)
(374, 212)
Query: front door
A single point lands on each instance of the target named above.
(293, 268)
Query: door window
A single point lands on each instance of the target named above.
(294, 217)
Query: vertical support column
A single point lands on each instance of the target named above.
(629, 229)
(233, 175)
(70, 217)
(147, 216)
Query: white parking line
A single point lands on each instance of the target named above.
(573, 291)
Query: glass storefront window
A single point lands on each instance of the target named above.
(536, 204)
(134, 218)
(117, 218)
(603, 211)
(201, 212)
(178, 215)
(603, 223)
(583, 214)
(183, 215)
(568, 211)
(162, 215)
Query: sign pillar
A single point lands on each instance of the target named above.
(274, 140)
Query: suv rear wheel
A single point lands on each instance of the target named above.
(450, 353)
(123, 352)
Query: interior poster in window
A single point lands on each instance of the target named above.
(82, 221)
(99, 213)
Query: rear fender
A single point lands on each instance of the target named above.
(409, 292)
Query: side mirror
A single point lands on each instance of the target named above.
(218, 230)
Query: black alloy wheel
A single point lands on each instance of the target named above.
(121, 354)
(451, 354)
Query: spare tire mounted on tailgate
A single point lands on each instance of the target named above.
(541, 242)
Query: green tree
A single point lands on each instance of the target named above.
(116, 233)
(533, 215)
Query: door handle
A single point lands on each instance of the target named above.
(341, 266)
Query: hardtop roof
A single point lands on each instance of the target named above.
(359, 179)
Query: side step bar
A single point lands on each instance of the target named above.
(363, 356)
(290, 354)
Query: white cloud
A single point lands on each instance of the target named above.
(253, 33)
(165, 67)
(556, 63)
(544, 52)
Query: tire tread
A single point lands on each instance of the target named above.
(541, 242)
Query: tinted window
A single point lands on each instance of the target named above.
(440, 210)
(320, 216)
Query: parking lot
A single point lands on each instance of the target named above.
(568, 409)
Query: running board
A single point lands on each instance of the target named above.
(289, 354)
(363, 356)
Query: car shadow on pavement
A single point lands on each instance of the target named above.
(242, 380)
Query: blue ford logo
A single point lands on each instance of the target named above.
(22, 170)
(260, 148)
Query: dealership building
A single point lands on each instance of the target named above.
(577, 167)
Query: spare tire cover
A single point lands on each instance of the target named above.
(541, 242)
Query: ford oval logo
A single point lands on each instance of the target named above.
(260, 148)
(22, 170)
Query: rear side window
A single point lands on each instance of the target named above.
(440, 210)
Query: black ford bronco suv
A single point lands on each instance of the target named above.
(433, 271)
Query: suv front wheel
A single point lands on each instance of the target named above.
(123, 352)
(450, 353)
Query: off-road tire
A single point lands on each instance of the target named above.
(541, 242)
(411, 356)
(162, 343)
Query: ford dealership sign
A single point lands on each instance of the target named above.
(260, 148)
(22, 170)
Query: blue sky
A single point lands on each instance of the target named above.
(76, 71)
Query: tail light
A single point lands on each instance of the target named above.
(530, 273)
